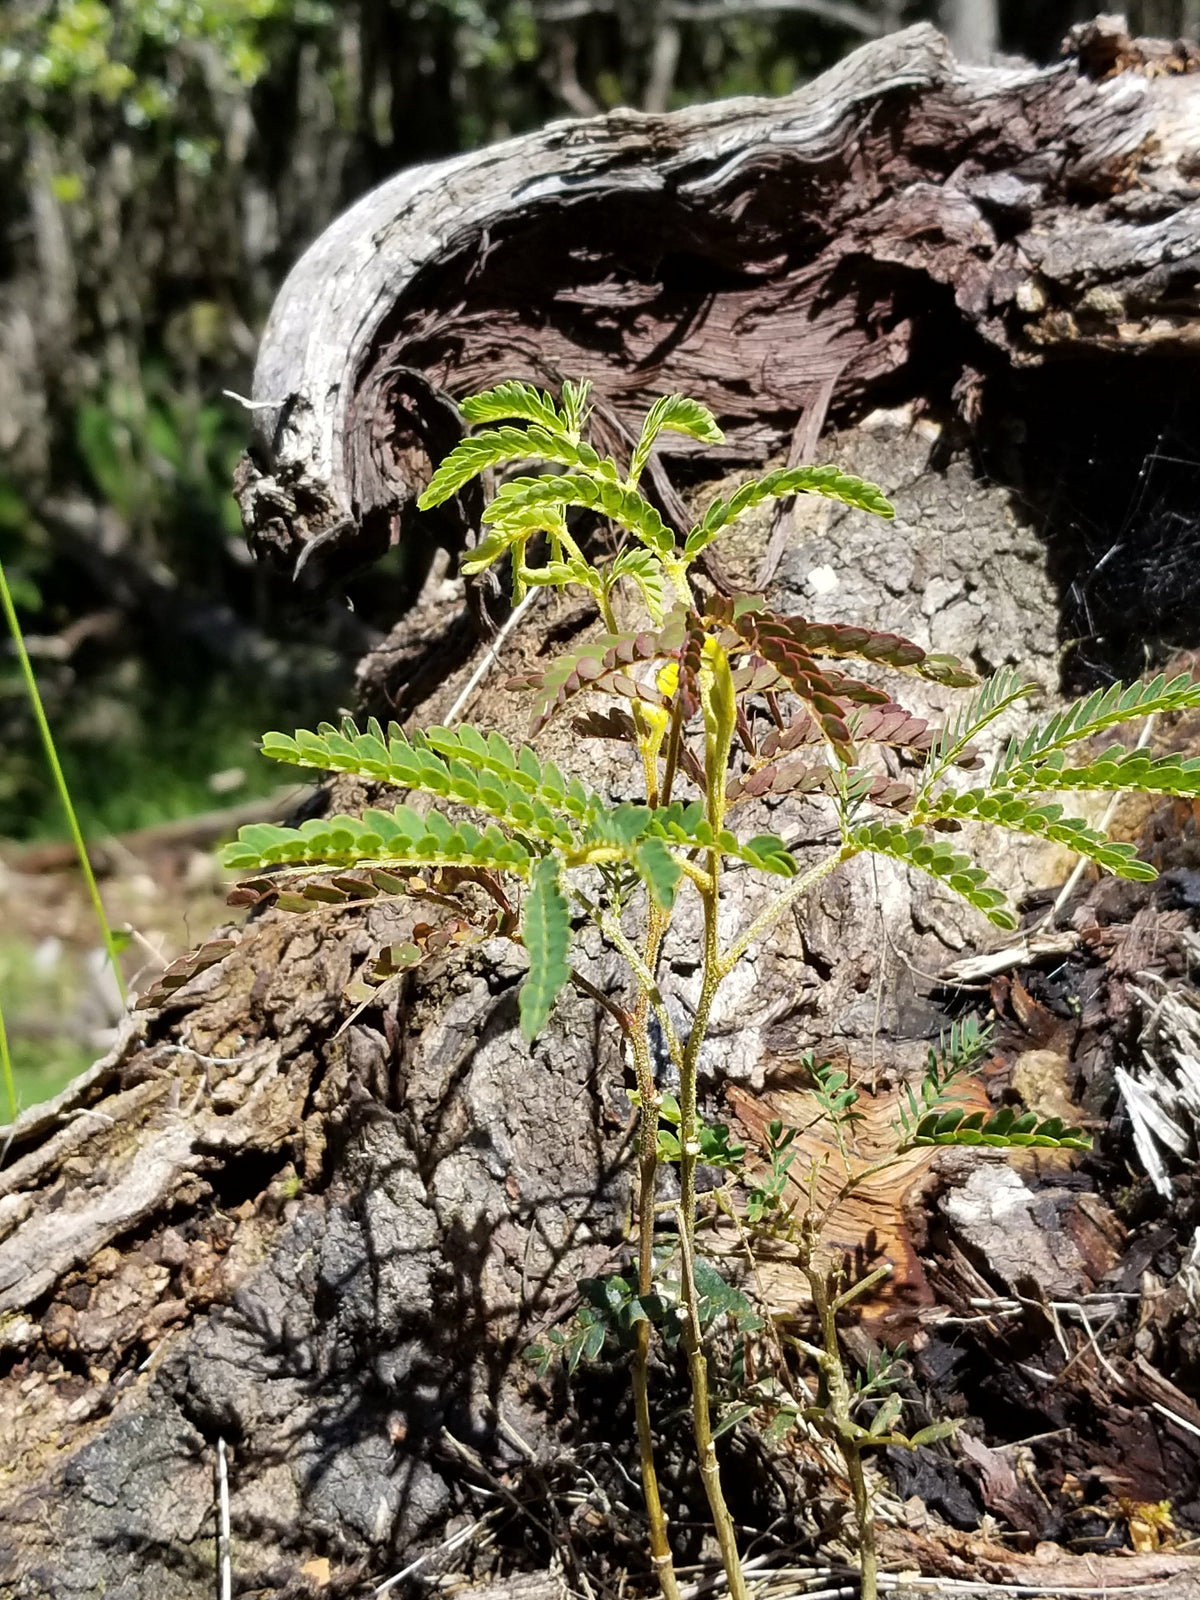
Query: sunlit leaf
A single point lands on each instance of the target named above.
(546, 931)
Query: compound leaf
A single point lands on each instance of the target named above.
(827, 481)
(992, 698)
(841, 640)
(1004, 809)
(523, 500)
(939, 860)
(512, 399)
(479, 451)
(183, 970)
(398, 837)
(677, 414)
(546, 930)
(1117, 768)
(455, 764)
(1095, 713)
(1004, 1129)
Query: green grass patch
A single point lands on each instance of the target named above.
(149, 765)
(52, 1013)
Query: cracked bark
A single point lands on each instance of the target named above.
(328, 1246)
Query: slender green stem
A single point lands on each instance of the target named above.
(795, 891)
(64, 794)
(718, 699)
(10, 1087)
(840, 1424)
(689, 1144)
(661, 1559)
(864, 1515)
(660, 1547)
(710, 1473)
(857, 1290)
(647, 982)
(710, 982)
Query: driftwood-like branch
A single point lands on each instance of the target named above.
(750, 253)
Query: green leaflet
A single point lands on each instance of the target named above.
(939, 860)
(1004, 809)
(677, 414)
(988, 702)
(625, 506)
(827, 481)
(1004, 1129)
(768, 852)
(720, 1298)
(646, 570)
(659, 871)
(479, 451)
(1117, 768)
(546, 930)
(513, 399)
(1096, 713)
(460, 765)
(619, 828)
(382, 837)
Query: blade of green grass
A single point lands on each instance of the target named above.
(64, 794)
(6, 1071)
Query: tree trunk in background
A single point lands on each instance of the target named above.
(973, 28)
(323, 1235)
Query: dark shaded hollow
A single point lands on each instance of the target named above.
(1102, 454)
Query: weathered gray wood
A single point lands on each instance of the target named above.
(749, 253)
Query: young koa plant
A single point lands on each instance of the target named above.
(722, 701)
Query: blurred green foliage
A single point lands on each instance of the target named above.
(102, 50)
(157, 455)
(54, 1024)
(176, 753)
(161, 164)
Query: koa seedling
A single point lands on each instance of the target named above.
(722, 701)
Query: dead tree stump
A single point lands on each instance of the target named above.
(326, 1241)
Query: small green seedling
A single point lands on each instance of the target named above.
(721, 701)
